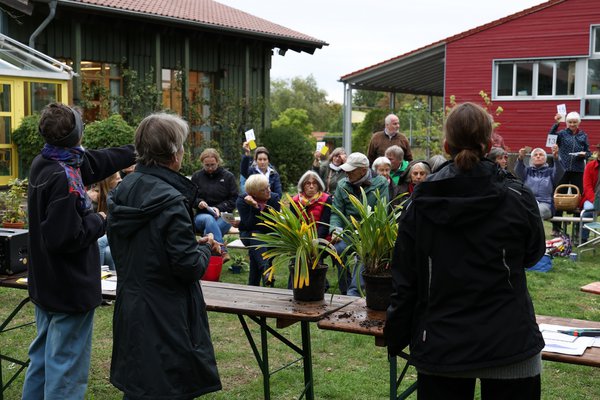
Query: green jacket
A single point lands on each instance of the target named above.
(341, 199)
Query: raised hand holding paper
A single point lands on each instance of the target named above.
(322, 148)
(250, 138)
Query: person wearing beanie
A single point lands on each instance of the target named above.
(64, 266)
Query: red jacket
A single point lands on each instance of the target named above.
(590, 178)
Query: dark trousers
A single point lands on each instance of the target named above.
(432, 387)
(574, 178)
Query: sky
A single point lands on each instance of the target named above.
(361, 33)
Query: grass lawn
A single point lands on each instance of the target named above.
(345, 366)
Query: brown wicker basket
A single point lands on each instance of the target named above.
(568, 201)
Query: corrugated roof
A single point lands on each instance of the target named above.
(205, 14)
(443, 42)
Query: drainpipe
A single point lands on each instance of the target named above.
(44, 24)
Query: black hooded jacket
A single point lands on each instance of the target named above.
(161, 347)
(460, 291)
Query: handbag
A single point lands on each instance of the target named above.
(568, 201)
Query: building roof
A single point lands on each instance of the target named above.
(205, 14)
(421, 71)
(17, 59)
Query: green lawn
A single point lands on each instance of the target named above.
(345, 366)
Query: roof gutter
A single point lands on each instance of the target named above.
(44, 24)
(110, 10)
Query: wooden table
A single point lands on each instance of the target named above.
(591, 357)
(593, 287)
(357, 318)
(256, 304)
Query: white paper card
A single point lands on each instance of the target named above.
(562, 110)
(320, 145)
(551, 141)
(108, 285)
(250, 135)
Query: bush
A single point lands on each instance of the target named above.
(290, 151)
(110, 132)
(29, 142)
(373, 122)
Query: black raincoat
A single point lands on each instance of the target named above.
(460, 292)
(161, 346)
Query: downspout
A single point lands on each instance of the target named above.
(44, 24)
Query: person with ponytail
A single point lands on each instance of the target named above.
(460, 299)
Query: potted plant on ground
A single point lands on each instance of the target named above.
(371, 238)
(293, 243)
(11, 201)
(238, 263)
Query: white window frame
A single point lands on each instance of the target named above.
(535, 79)
(593, 56)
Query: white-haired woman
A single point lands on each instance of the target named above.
(313, 201)
(574, 149)
(540, 178)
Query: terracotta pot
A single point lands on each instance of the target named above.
(316, 290)
(13, 225)
(378, 290)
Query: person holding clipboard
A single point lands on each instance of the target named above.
(574, 149)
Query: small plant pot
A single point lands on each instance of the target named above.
(235, 269)
(316, 290)
(378, 290)
(13, 225)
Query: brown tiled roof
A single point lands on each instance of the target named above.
(207, 14)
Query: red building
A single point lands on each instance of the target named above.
(528, 63)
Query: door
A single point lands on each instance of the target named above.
(8, 150)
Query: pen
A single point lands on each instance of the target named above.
(582, 332)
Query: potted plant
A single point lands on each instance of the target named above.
(371, 238)
(14, 215)
(238, 263)
(293, 243)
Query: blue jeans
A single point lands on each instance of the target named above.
(206, 223)
(357, 277)
(105, 254)
(59, 356)
(343, 273)
(258, 265)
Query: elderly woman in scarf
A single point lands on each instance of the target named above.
(331, 172)
(313, 201)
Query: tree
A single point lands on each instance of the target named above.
(294, 117)
(368, 98)
(303, 93)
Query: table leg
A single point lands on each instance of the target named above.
(307, 360)
(265, 358)
(22, 364)
(395, 380)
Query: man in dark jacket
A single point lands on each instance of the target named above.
(161, 340)
(64, 268)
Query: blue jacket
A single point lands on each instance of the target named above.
(542, 180)
(571, 143)
(247, 168)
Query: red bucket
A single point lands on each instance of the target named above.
(213, 272)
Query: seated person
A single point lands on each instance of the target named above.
(590, 192)
(398, 164)
(250, 205)
(540, 178)
(217, 193)
(416, 173)
(499, 156)
(261, 164)
(330, 172)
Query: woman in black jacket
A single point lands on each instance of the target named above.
(460, 292)
(217, 193)
(161, 340)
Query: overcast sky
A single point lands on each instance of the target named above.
(361, 33)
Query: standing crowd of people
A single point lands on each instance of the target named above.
(158, 229)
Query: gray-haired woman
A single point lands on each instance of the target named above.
(161, 341)
(331, 173)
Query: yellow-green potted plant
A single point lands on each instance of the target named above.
(371, 238)
(13, 211)
(293, 242)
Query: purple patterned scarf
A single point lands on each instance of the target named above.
(70, 158)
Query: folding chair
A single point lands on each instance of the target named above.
(592, 242)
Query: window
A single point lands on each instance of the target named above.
(592, 86)
(533, 79)
(199, 88)
(39, 94)
(102, 83)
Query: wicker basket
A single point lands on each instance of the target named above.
(568, 201)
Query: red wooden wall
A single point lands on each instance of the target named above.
(560, 30)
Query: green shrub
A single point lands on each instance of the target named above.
(290, 151)
(29, 142)
(110, 132)
(373, 122)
